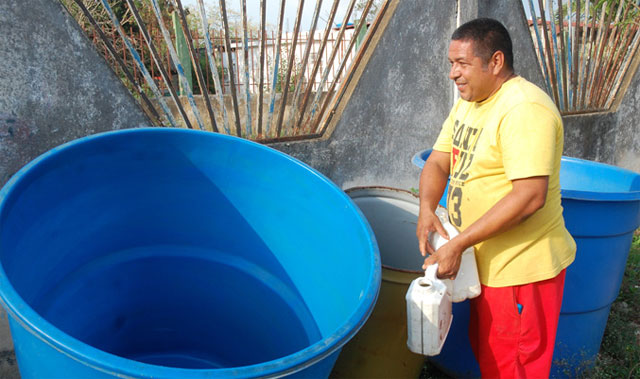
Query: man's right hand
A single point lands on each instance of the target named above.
(428, 222)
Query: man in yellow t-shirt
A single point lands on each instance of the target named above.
(500, 147)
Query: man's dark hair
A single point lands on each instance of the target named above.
(488, 36)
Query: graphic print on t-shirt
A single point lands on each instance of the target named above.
(465, 138)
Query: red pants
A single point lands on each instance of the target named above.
(512, 330)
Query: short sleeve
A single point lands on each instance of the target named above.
(527, 139)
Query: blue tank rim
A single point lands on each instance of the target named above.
(420, 157)
(112, 364)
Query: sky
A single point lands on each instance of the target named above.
(273, 9)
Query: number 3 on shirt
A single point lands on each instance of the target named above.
(455, 198)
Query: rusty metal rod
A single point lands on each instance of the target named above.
(595, 35)
(616, 62)
(557, 54)
(305, 59)
(541, 53)
(604, 24)
(276, 64)
(234, 97)
(625, 66)
(609, 54)
(359, 56)
(245, 48)
(352, 43)
(154, 116)
(176, 62)
(563, 55)
(575, 52)
(606, 55)
(316, 66)
(615, 52)
(327, 71)
(292, 58)
(136, 57)
(583, 55)
(196, 63)
(263, 37)
(548, 52)
(212, 66)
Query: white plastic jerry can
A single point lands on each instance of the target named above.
(466, 285)
(428, 313)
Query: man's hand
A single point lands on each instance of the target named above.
(448, 258)
(428, 222)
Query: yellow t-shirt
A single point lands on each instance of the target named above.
(514, 134)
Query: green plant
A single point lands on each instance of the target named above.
(619, 355)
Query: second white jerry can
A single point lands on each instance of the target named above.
(428, 313)
(466, 285)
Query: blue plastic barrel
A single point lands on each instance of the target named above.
(156, 253)
(601, 211)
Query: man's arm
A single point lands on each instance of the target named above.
(526, 197)
(433, 181)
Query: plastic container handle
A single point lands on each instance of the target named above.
(430, 275)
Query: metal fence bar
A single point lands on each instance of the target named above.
(616, 62)
(612, 53)
(176, 63)
(139, 62)
(583, 54)
(552, 73)
(602, 30)
(352, 43)
(334, 51)
(625, 66)
(155, 117)
(263, 42)
(322, 49)
(562, 48)
(575, 51)
(593, 30)
(292, 59)
(204, 91)
(158, 61)
(245, 46)
(540, 46)
(227, 40)
(556, 52)
(212, 66)
(275, 68)
(307, 52)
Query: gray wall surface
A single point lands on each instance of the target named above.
(54, 87)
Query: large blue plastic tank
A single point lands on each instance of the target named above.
(601, 211)
(163, 253)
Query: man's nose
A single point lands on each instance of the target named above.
(453, 72)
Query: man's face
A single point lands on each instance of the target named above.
(472, 75)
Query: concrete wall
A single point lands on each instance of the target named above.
(54, 87)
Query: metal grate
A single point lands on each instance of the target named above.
(585, 49)
(259, 82)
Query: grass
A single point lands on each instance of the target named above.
(619, 355)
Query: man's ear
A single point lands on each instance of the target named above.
(497, 60)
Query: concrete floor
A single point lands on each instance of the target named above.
(8, 366)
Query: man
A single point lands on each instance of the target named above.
(500, 147)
